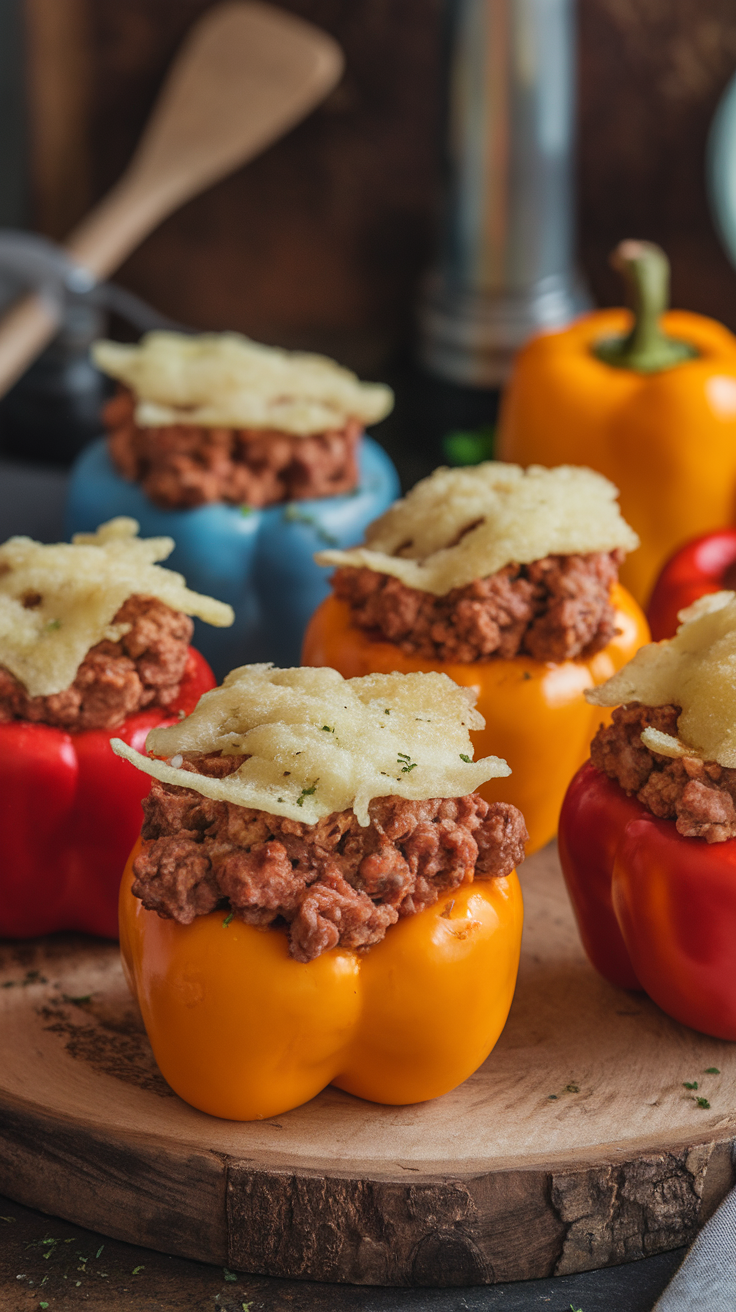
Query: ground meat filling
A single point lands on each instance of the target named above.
(115, 679)
(698, 795)
(555, 609)
(333, 883)
(186, 465)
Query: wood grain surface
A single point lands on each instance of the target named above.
(575, 1146)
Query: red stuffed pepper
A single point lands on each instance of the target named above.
(648, 827)
(706, 564)
(94, 637)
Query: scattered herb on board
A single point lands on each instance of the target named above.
(702, 1102)
(572, 1088)
(465, 758)
(406, 763)
(306, 792)
(229, 1275)
(136, 1269)
(711, 1070)
(228, 918)
(689, 1084)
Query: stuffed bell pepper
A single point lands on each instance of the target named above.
(94, 637)
(320, 895)
(648, 827)
(250, 458)
(648, 398)
(506, 580)
(707, 564)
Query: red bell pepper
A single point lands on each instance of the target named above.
(706, 564)
(656, 910)
(70, 811)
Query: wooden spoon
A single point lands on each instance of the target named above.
(245, 74)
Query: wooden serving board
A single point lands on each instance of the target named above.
(575, 1146)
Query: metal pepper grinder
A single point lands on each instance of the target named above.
(505, 266)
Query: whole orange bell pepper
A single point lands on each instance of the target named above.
(647, 399)
(241, 1030)
(536, 716)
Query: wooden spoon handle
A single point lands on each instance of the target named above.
(247, 72)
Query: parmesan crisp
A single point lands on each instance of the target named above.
(695, 670)
(318, 743)
(58, 601)
(226, 380)
(459, 525)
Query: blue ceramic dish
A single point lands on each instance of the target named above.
(258, 560)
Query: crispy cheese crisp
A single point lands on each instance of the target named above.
(226, 380)
(318, 743)
(464, 524)
(58, 601)
(695, 670)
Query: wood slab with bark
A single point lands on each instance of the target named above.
(576, 1146)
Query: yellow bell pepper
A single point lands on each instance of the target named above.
(536, 716)
(241, 1030)
(649, 401)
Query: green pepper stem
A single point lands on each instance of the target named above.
(646, 349)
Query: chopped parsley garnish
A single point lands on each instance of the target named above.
(465, 758)
(688, 1084)
(406, 763)
(246, 510)
(228, 919)
(712, 1070)
(326, 729)
(387, 712)
(293, 515)
(306, 792)
(702, 1102)
(52, 626)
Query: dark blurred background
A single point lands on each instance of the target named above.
(322, 242)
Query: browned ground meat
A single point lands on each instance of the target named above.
(699, 795)
(115, 679)
(554, 610)
(333, 883)
(187, 465)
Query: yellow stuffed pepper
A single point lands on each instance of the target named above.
(648, 399)
(505, 580)
(319, 895)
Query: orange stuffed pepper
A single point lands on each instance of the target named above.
(505, 580)
(320, 895)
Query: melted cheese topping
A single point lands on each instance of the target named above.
(695, 670)
(58, 601)
(318, 743)
(223, 379)
(464, 524)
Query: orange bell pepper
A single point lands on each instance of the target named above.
(653, 407)
(536, 716)
(241, 1030)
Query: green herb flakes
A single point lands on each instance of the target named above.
(711, 1070)
(327, 729)
(136, 1269)
(688, 1084)
(465, 758)
(702, 1102)
(306, 792)
(228, 919)
(406, 763)
(229, 1275)
(52, 626)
